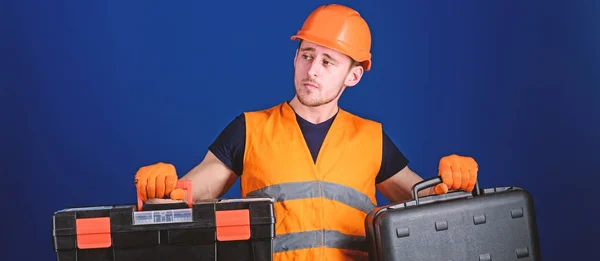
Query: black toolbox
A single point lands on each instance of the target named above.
(484, 225)
(220, 229)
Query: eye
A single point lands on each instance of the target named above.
(327, 63)
(306, 57)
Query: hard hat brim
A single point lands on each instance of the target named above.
(365, 61)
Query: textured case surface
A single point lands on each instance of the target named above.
(496, 224)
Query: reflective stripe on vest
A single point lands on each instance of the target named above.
(310, 189)
(318, 238)
(319, 206)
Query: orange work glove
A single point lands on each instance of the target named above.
(457, 172)
(157, 181)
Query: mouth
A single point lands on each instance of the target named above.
(310, 85)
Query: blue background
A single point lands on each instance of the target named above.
(93, 90)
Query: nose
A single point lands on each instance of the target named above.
(314, 68)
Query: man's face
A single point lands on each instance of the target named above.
(321, 74)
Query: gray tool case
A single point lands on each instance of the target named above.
(484, 225)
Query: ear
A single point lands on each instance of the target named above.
(354, 76)
(295, 57)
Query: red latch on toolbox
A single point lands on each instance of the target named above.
(233, 224)
(93, 232)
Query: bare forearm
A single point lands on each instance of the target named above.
(422, 193)
(210, 179)
(199, 189)
(399, 187)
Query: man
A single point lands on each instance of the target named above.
(321, 164)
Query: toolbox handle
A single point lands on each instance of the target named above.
(430, 182)
(182, 184)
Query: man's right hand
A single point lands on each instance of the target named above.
(157, 181)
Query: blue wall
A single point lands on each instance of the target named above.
(514, 84)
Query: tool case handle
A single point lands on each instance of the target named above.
(182, 184)
(430, 182)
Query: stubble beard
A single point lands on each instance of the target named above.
(310, 98)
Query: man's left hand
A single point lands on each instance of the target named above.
(457, 172)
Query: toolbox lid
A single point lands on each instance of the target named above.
(84, 209)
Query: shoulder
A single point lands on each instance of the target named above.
(235, 127)
(263, 112)
(360, 121)
(257, 118)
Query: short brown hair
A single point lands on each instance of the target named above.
(354, 63)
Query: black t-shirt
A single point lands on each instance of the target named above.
(229, 146)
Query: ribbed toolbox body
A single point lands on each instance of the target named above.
(223, 229)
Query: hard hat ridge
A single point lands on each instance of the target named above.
(340, 28)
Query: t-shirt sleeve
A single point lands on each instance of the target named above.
(229, 146)
(392, 160)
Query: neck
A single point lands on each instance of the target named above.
(314, 115)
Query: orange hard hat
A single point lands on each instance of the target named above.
(340, 28)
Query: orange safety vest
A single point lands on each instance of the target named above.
(320, 207)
